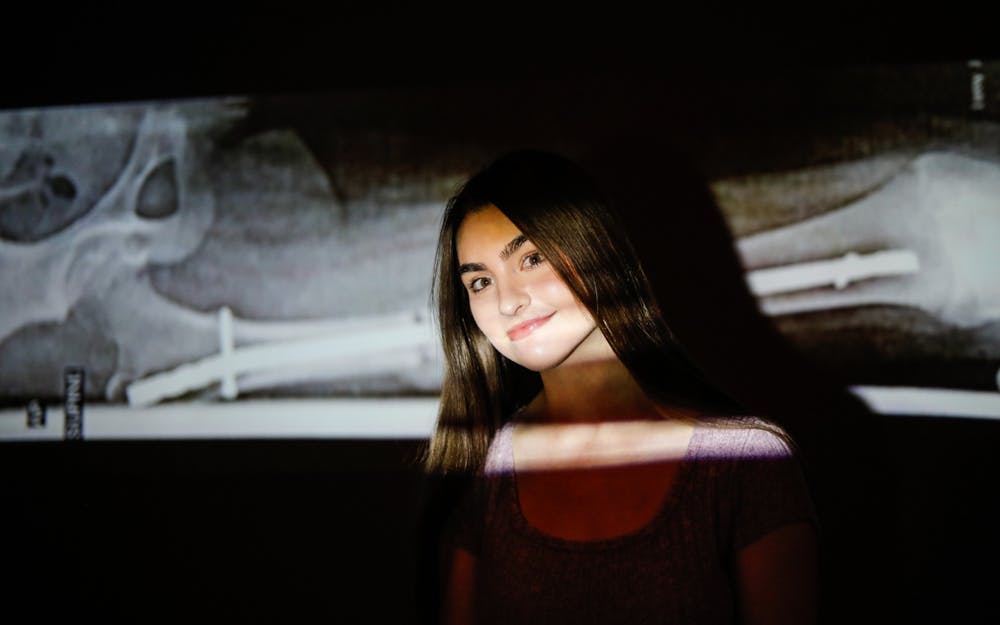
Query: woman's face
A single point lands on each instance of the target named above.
(518, 300)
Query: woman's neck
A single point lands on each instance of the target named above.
(592, 391)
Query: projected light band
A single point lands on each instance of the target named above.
(390, 418)
(930, 402)
(407, 418)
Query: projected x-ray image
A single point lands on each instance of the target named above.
(904, 268)
(934, 224)
(76, 240)
(138, 250)
(251, 260)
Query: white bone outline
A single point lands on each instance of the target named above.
(350, 347)
(851, 267)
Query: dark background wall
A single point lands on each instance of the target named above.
(111, 52)
(297, 531)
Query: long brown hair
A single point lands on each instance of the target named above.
(559, 208)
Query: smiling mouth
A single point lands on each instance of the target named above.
(524, 329)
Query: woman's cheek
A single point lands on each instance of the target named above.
(485, 321)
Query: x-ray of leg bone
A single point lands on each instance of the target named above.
(926, 237)
(929, 238)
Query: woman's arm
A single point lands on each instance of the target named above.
(778, 577)
(458, 607)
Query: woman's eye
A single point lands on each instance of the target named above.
(532, 260)
(479, 284)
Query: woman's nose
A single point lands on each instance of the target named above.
(513, 297)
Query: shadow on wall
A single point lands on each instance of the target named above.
(688, 252)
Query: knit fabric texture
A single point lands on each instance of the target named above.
(736, 483)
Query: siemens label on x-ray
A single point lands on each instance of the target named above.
(73, 386)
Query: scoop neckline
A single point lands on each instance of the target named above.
(669, 502)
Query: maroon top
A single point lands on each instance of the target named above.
(734, 485)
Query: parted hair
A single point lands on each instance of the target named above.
(559, 208)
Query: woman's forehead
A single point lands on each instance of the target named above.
(483, 230)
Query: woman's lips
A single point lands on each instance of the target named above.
(524, 329)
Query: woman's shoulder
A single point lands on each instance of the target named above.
(500, 455)
(743, 436)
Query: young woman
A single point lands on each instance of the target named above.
(612, 483)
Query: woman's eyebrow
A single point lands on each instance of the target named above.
(511, 247)
(467, 267)
(505, 253)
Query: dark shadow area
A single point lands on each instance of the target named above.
(885, 532)
(222, 532)
(103, 53)
(299, 532)
(687, 251)
(947, 514)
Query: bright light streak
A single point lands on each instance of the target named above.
(400, 418)
(930, 402)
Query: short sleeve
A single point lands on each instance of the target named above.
(768, 488)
